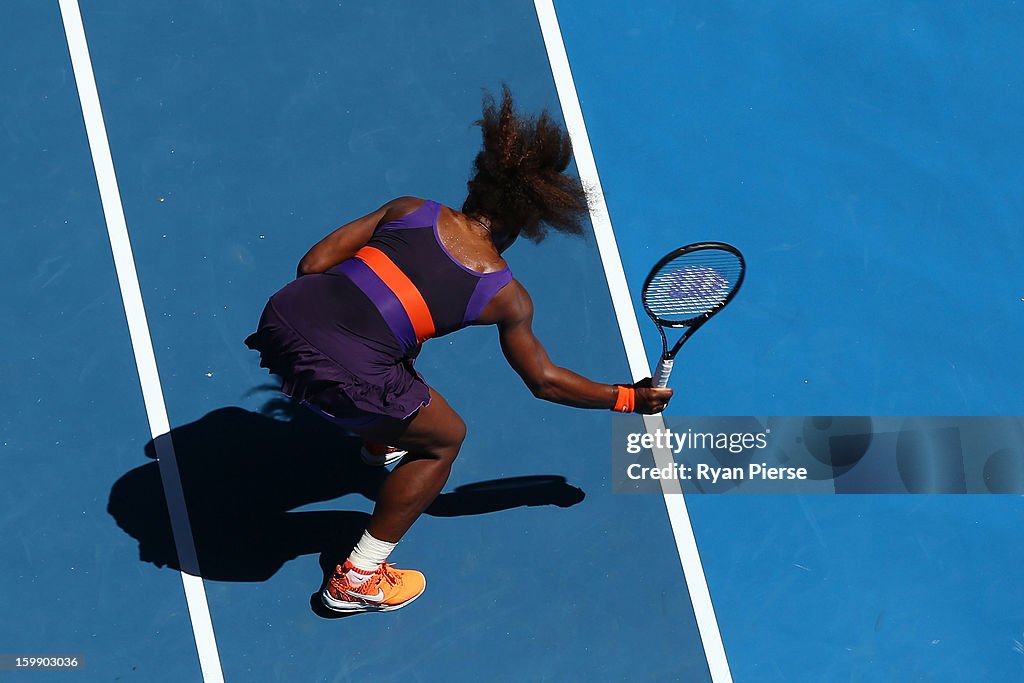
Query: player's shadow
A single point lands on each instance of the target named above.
(242, 474)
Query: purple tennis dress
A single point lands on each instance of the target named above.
(344, 341)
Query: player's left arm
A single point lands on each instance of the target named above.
(344, 242)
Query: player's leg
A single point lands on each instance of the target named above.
(366, 582)
(433, 438)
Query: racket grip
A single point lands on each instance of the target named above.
(660, 379)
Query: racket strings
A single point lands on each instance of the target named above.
(692, 285)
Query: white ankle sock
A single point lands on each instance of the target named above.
(368, 554)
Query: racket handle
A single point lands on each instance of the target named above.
(660, 379)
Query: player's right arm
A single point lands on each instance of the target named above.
(512, 311)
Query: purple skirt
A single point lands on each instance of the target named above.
(353, 385)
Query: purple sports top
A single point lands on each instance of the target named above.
(352, 300)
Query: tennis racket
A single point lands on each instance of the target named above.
(686, 288)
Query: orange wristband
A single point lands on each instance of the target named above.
(626, 399)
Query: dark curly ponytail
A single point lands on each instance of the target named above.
(519, 179)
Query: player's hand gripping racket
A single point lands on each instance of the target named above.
(686, 288)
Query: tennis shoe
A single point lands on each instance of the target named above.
(386, 590)
(379, 455)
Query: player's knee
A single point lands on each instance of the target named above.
(456, 435)
(459, 433)
(451, 440)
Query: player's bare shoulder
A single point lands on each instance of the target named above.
(511, 305)
(401, 206)
(468, 241)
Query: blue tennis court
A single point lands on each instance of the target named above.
(168, 515)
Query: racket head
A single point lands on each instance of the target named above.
(692, 283)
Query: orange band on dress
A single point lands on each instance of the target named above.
(625, 401)
(407, 293)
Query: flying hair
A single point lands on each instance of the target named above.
(519, 180)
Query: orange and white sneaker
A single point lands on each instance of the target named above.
(379, 455)
(386, 590)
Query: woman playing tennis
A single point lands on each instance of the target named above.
(344, 333)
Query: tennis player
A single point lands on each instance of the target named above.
(344, 333)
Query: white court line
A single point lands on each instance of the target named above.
(142, 344)
(686, 544)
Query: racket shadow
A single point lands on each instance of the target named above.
(245, 475)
